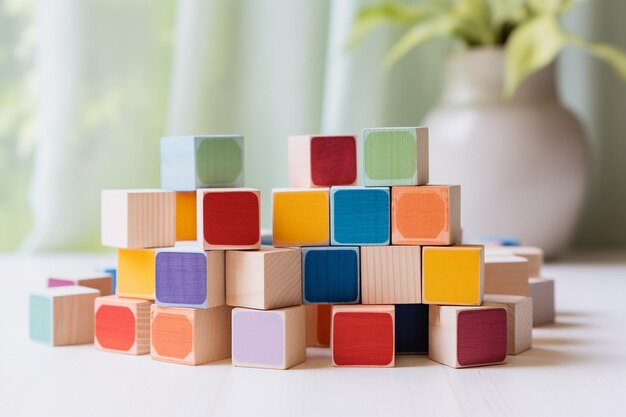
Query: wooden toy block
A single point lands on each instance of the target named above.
(395, 156)
(265, 279)
(113, 272)
(136, 273)
(138, 218)
(229, 218)
(506, 275)
(542, 292)
(99, 281)
(191, 336)
(186, 219)
(363, 335)
(330, 275)
(122, 325)
(391, 275)
(318, 318)
(461, 337)
(519, 320)
(192, 162)
(359, 215)
(190, 277)
(426, 215)
(453, 275)
(274, 339)
(62, 315)
(300, 217)
(322, 161)
(411, 328)
(532, 254)
(496, 241)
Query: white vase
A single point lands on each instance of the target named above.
(523, 163)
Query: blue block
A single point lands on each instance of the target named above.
(359, 216)
(330, 275)
(113, 272)
(500, 240)
(411, 328)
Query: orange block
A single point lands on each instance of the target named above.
(186, 215)
(318, 317)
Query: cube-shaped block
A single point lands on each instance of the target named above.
(330, 275)
(519, 311)
(428, 215)
(322, 161)
(187, 276)
(191, 162)
(461, 337)
(62, 315)
(113, 272)
(363, 335)
(122, 325)
(138, 218)
(136, 273)
(532, 254)
(359, 215)
(273, 339)
(186, 219)
(542, 292)
(300, 217)
(395, 156)
(265, 279)
(391, 275)
(102, 282)
(411, 328)
(453, 274)
(506, 275)
(318, 317)
(229, 218)
(191, 336)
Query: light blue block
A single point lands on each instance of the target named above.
(360, 216)
(40, 318)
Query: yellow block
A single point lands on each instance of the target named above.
(453, 275)
(300, 217)
(136, 272)
(186, 215)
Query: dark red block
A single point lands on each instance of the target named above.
(333, 160)
(481, 336)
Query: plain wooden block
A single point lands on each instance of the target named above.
(265, 279)
(122, 325)
(426, 215)
(229, 218)
(138, 218)
(281, 333)
(318, 317)
(300, 217)
(186, 219)
(391, 275)
(461, 336)
(542, 292)
(102, 282)
(453, 274)
(191, 336)
(395, 156)
(411, 334)
(191, 162)
(532, 254)
(188, 276)
(322, 161)
(519, 320)
(506, 275)
(363, 335)
(62, 315)
(359, 216)
(136, 273)
(330, 275)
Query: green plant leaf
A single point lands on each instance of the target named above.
(607, 53)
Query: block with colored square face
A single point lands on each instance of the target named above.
(453, 275)
(281, 333)
(229, 218)
(426, 215)
(411, 323)
(506, 275)
(318, 318)
(122, 325)
(138, 218)
(300, 217)
(519, 311)
(359, 216)
(461, 337)
(322, 161)
(136, 273)
(99, 281)
(363, 335)
(192, 162)
(391, 275)
(330, 275)
(186, 217)
(190, 336)
(395, 156)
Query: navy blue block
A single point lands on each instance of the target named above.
(330, 275)
(411, 328)
(359, 216)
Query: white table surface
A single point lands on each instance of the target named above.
(576, 367)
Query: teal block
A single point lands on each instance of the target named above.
(40, 318)
(360, 216)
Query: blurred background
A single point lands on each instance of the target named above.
(87, 88)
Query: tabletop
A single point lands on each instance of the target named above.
(576, 366)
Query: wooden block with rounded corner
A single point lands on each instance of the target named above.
(322, 161)
(506, 275)
(359, 216)
(265, 279)
(426, 215)
(330, 275)
(391, 275)
(453, 275)
(363, 335)
(519, 320)
(100, 281)
(318, 318)
(542, 292)
(300, 217)
(186, 219)
(274, 339)
(136, 273)
(138, 218)
(461, 336)
(122, 325)
(190, 336)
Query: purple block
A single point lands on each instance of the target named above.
(258, 338)
(181, 278)
(55, 282)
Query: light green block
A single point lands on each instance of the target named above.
(40, 318)
(219, 161)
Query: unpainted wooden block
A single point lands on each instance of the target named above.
(136, 273)
(330, 275)
(411, 334)
(100, 281)
(318, 318)
(542, 292)
(186, 219)
(391, 275)
(359, 216)
(322, 161)
(506, 275)
(519, 320)
(122, 325)
(300, 217)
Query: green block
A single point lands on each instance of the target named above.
(40, 318)
(218, 161)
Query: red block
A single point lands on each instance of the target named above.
(122, 324)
